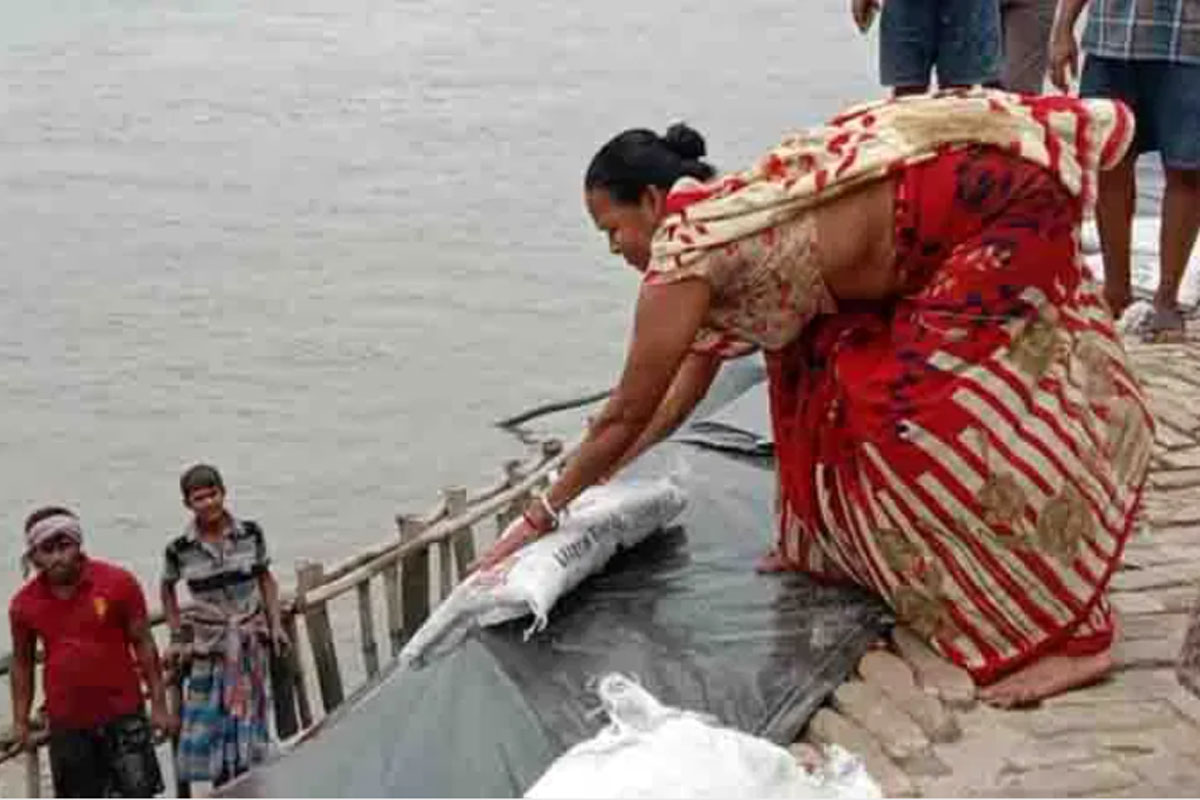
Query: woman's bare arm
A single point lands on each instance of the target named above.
(665, 325)
(692, 381)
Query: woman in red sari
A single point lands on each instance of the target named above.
(956, 426)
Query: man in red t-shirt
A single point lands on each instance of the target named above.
(89, 616)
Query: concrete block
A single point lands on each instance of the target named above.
(1056, 721)
(1172, 511)
(1161, 575)
(900, 736)
(1170, 625)
(829, 727)
(1041, 754)
(1171, 437)
(1177, 598)
(1136, 603)
(1119, 688)
(951, 683)
(1173, 479)
(1075, 780)
(1145, 653)
(1179, 459)
(1166, 775)
(895, 678)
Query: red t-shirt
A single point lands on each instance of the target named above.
(90, 675)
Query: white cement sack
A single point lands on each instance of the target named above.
(651, 750)
(603, 520)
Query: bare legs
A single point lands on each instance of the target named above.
(1177, 236)
(1114, 218)
(1180, 222)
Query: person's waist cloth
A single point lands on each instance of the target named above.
(211, 627)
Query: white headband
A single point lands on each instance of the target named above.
(56, 525)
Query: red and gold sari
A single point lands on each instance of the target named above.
(974, 449)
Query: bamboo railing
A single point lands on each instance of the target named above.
(401, 568)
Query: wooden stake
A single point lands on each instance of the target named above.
(445, 570)
(299, 674)
(464, 540)
(414, 577)
(366, 629)
(391, 603)
(320, 636)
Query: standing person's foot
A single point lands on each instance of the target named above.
(1048, 676)
(1164, 325)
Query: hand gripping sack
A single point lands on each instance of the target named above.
(602, 521)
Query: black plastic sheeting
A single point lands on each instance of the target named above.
(742, 426)
(683, 612)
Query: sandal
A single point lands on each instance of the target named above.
(1163, 325)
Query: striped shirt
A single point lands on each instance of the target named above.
(1144, 30)
(221, 574)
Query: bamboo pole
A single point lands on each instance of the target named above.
(347, 565)
(497, 488)
(512, 510)
(391, 601)
(309, 575)
(391, 607)
(445, 569)
(299, 676)
(464, 540)
(542, 461)
(366, 628)
(417, 543)
(283, 693)
(414, 576)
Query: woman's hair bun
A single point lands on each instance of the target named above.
(684, 142)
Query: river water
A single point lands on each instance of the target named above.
(324, 244)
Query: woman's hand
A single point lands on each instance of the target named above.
(665, 325)
(524, 529)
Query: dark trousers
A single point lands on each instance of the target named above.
(115, 759)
